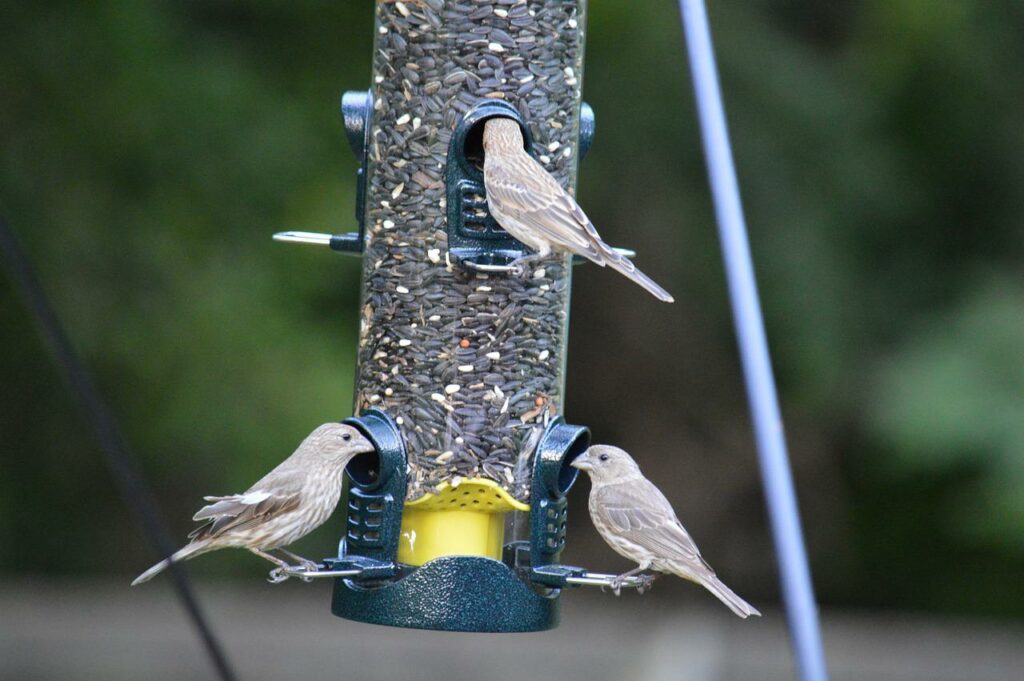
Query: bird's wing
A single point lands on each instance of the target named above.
(638, 511)
(526, 192)
(239, 511)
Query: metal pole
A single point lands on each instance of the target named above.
(112, 443)
(797, 589)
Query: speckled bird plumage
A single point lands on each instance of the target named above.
(637, 521)
(286, 504)
(531, 206)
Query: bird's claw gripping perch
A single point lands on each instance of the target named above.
(278, 575)
(308, 566)
(614, 582)
(646, 582)
(643, 583)
(518, 268)
(616, 585)
(303, 571)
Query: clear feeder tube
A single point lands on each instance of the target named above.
(470, 365)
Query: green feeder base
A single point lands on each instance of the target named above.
(453, 593)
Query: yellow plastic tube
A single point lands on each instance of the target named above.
(465, 520)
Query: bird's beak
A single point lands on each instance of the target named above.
(582, 462)
(364, 445)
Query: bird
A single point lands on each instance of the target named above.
(530, 205)
(637, 521)
(285, 505)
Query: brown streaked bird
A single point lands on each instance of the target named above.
(531, 206)
(636, 520)
(286, 504)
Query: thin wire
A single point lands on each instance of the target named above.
(797, 589)
(112, 443)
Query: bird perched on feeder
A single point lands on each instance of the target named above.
(531, 206)
(285, 505)
(636, 520)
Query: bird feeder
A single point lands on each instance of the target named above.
(457, 521)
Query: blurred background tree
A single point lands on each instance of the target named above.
(149, 149)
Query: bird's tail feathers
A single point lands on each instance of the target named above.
(729, 597)
(624, 266)
(184, 553)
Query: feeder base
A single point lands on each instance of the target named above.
(453, 593)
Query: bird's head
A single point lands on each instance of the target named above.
(502, 134)
(339, 442)
(605, 463)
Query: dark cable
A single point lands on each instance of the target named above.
(115, 450)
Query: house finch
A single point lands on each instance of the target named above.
(285, 505)
(636, 520)
(531, 206)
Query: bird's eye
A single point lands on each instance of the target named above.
(346, 437)
(603, 457)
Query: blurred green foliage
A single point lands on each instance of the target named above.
(149, 149)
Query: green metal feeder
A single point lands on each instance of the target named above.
(458, 520)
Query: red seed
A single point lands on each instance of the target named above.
(464, 343)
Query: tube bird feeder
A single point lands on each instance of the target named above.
(458, 520)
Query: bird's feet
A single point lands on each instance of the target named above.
(616, 583)
(281, 574)
(517, 268)
(307, 567)
(278, 575)
(646, 582)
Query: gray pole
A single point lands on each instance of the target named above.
(797, 589)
